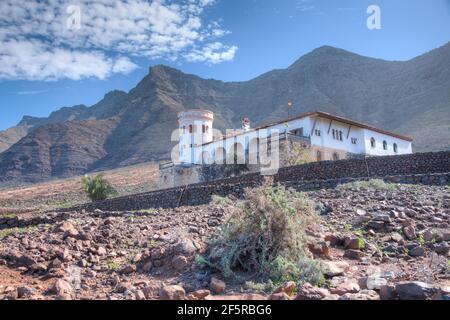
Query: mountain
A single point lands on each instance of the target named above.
(410, 97)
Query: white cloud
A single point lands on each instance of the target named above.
(212, 53)
(47, 39)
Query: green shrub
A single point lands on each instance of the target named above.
(215, 199)
(97, 188)
(264, 237)
(373, 184)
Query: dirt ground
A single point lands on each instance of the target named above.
(66, 193)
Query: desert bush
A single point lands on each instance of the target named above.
(264, 237)
(373, 184)
(218, 200)
(98, 188)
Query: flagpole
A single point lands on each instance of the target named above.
(289, 107)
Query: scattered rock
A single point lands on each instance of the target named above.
(279, 296)
(414, 290)
(25, 292)
(199, 294)
(287, 288)
(308, 292)
(353, 254)
(410, 232)
(417, 251)
(128, 269)
(335, 268)
(217, 286)
(61, 287)
(172, 293)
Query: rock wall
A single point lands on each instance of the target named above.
(421, 168)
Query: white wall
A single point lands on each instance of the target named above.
(404, 147)
(326, 136)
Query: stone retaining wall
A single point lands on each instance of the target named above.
(423, 168)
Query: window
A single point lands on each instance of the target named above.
(354, 141)
(337, 135)
(395, 148)
(191, 129)
(203, 128)
(319, 156)
(385, 145)
(335, 156)
(372, 142)
(297, 132)
(317, 132)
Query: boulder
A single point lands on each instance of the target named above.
(217, 286)
(61, 287)
(335, 268)
(172, 293)
(346, 287)
(417, 251)
(410, 232)
(308, 292)
(414, 290)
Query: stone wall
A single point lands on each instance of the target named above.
(425, 168)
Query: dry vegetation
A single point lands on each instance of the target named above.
(264, 238)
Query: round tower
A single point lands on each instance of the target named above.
(195, 129)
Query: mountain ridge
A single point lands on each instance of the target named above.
(409, 97)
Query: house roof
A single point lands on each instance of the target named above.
(323, 115)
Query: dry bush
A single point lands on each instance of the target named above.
(264, 238)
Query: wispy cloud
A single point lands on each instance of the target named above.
(31, 92)
(305, 5)
(38, 40)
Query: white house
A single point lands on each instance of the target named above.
(328, 137)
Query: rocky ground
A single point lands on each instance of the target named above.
(374, 244)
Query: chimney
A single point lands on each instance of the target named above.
(246, 124)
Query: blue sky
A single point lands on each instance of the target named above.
(45, 65)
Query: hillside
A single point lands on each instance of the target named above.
(411, 97)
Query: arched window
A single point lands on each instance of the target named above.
(372, 142)
(334, 134)
(340, 135)
(395, 148)
(385, 145)
(335, 156)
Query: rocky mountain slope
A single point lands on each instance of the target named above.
(411, 97)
